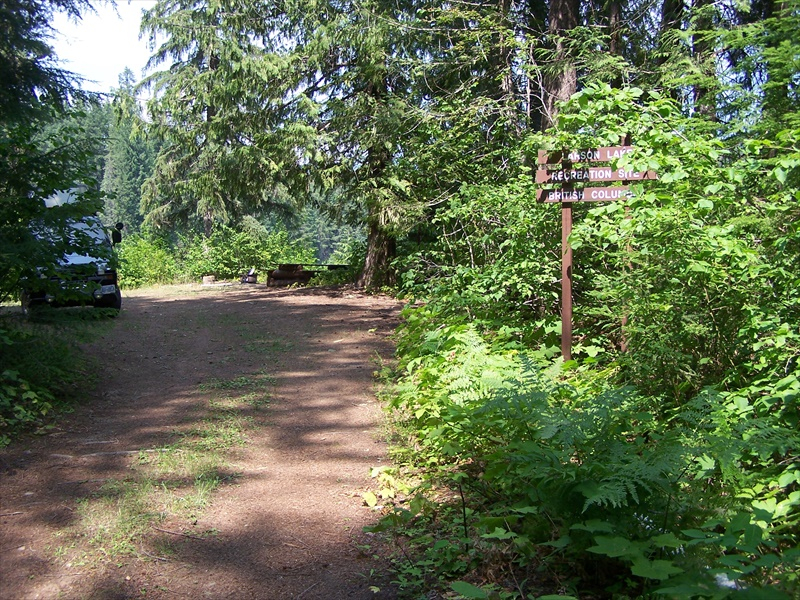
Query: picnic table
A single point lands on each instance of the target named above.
(298, 272)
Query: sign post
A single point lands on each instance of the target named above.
(566, 281)
(567, 176)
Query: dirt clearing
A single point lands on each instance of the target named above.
(223, 454)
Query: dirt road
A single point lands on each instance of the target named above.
(223, 454)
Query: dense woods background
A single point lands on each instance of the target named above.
(663, 460)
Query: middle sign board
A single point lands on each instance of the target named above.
(590, 175)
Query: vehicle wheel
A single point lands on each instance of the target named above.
(117, 304)
(114, 303)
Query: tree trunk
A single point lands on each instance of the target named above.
(505, 62)
(381, 246)
(704, 96)
(615, 27)
(671, 15)
(381, 249)
(208, 223)
(615, 34)
(563, 82)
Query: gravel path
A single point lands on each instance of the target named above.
(286, 521)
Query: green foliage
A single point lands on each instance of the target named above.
(764, 50)
(333, 242)
(34, 84)
(150, 259)
(39, 159)
(349, 251)
(42, 373)
(145, 261)
(220, 111)
(129, 159)
(663, 461)
(50, 134)
(563, 467)
(229, 252)
(669, 468)
(21, 405)
(498, 265)
(48, 139)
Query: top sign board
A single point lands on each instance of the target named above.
(586, 155)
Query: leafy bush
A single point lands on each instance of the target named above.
(668, 468)
(21, 404)
(144, 261)
(229, 253)
(500, 264)
(564, 468)
(41, 371)
(696, 262)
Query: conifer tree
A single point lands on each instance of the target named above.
(129, 158)
(41, 151)
(220, 108)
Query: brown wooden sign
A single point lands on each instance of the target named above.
(591, 175)
(576, 187)
(590, 194)
(586, 155)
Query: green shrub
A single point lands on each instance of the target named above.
(227, 254)
(144, 261)
(21, 404)
(42, 372)
(566, 477)
(500, 264)
(684, 483)
(230, 252)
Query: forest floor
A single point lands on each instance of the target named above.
(222, 453)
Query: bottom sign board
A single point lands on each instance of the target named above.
(589, 194)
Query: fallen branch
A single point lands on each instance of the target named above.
(306, 590)
(146, 553)
(81, 481)
(194, 537)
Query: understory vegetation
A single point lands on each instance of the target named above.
(228, 253)
(41, 373)
(661, 462)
